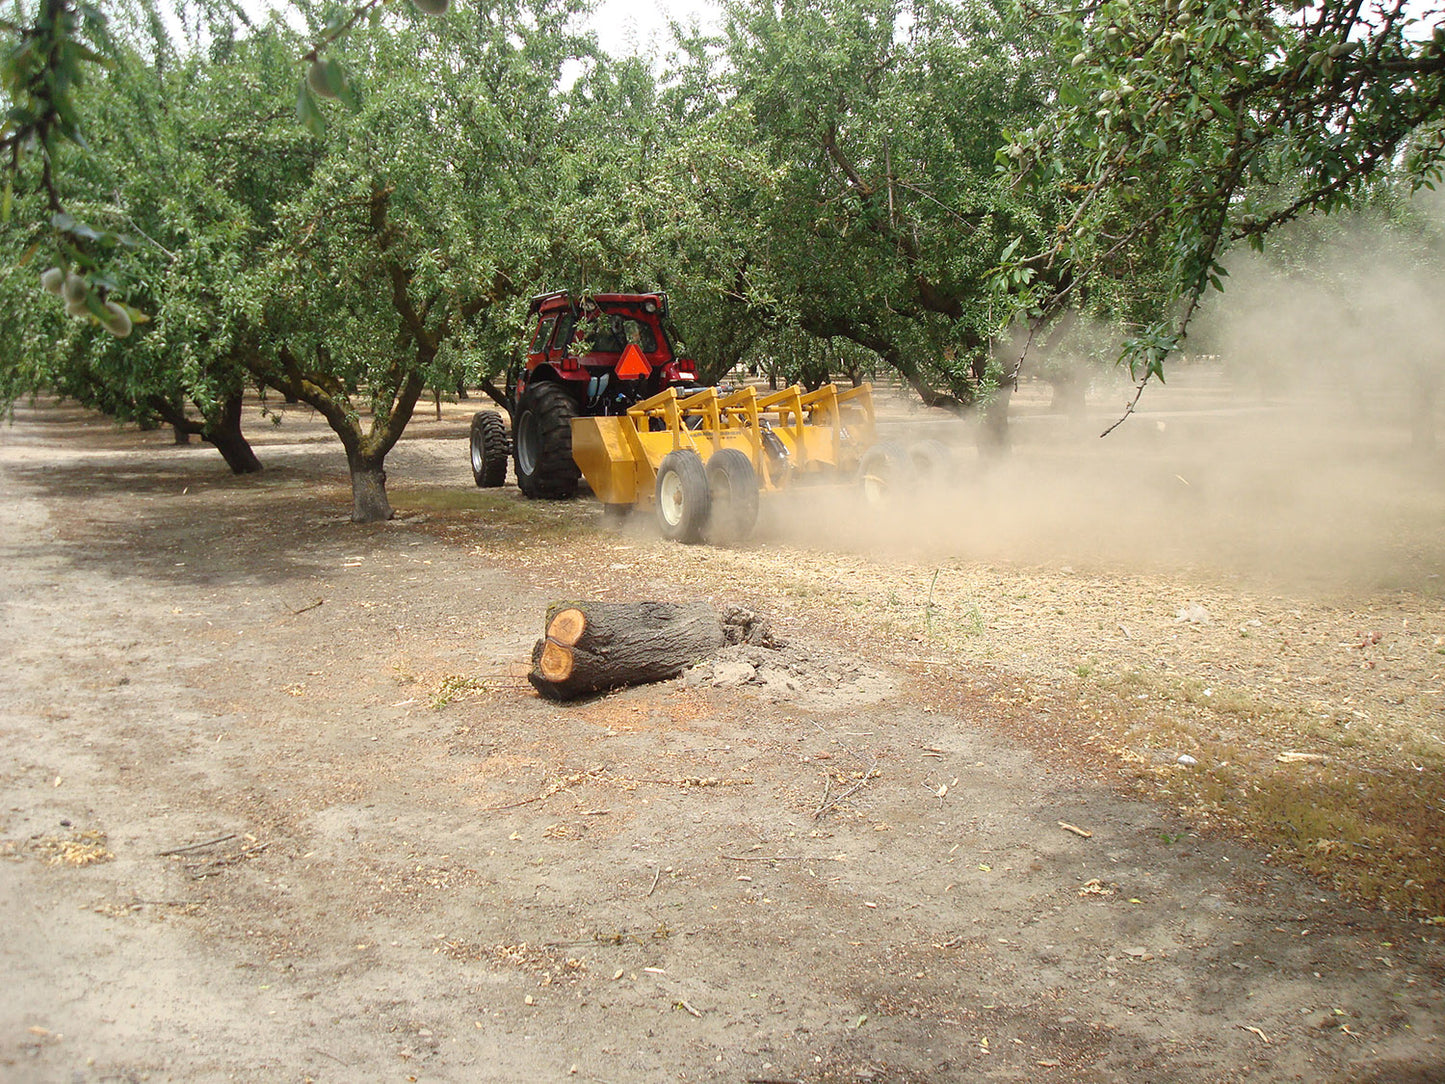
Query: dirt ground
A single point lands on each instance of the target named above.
(276, 802)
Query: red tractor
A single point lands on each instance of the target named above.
(603, 395)
(588, 357)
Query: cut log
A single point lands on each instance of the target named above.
(591, 647)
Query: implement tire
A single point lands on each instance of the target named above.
(884, 472)
(542, 443)
(733, 486)
(932, 463)
(489, 449)
(684, 502)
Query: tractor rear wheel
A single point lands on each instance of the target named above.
(684, 502)
(489, 449)
(542, 440)
(733, 488)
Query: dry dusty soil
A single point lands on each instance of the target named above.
(276, 802)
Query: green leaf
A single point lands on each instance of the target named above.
(86, 53)
(308, 112)
(346, 94)
(66, 223)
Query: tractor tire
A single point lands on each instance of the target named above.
(883, 474)
(684, 502)
(542, 444)
(489, 450)
(733, 489)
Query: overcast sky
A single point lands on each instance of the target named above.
(628, 26)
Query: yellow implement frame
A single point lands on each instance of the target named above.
(787, 435)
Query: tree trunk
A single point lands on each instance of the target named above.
(368, 490)
(993, 433)
(1426, 383)
(591, 647)
(1069, 393)
(500, 396)
(223, 430)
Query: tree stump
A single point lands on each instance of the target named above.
(591, 647)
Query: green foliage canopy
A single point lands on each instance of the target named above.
(886, 223)
(1185, 127)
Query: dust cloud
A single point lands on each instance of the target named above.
(1304, 452)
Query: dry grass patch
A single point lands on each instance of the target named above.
(1110, 670)
(81, 849)
(1363, 818)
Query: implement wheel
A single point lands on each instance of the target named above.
(684, 502)
(489, 449)
(733, 487)
(542, 439)
(932, 462)
(883, 473)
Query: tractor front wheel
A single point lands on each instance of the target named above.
(542, 440)
(733, 487)
(684, 501)
(489, 449)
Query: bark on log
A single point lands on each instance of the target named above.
(591, 647)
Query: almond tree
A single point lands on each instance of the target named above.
(386, 250)
(421, 228)
(886, 223)
(1186, 127)
(141, 216)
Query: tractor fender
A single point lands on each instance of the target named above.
(546, 373)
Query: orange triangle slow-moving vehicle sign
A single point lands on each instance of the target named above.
(632, 364)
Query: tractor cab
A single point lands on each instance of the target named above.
(607, 351)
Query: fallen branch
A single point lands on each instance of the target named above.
(201, 870)
(565, 783)
(854, 789)
(686, 782)
(195, 846)
(517, 804)
(823, 801)
(765, 858)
